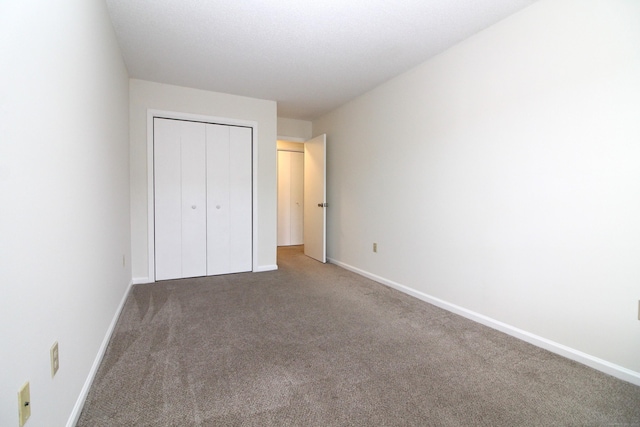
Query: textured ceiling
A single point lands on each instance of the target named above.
(308, 55)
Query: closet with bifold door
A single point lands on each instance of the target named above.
(290, 198)
(203, 198)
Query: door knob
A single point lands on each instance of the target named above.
(322, 205)
(193, 206)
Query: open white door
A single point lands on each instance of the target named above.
(315, 202)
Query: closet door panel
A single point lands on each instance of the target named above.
(168, 194)
(218, 206)
(284, 198)
(203, 181)
(240, 199)
(194, 209)
(297, 198)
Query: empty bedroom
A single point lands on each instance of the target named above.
(319, 213)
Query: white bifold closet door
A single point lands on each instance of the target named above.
(229, 199)
(203, 199)
(290, 198)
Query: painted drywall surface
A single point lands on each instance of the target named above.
(146, 95)
(293, 128)
(290, 146)
(502, 176)
(64, 186)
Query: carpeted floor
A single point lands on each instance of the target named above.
(316, 345)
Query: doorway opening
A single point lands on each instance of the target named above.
(302, 195)
(290, 193)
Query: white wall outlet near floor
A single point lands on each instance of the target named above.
(24, 404)
(375, 247)
(55, 359)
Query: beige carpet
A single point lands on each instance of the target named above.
(315, 345)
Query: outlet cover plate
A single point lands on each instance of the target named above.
(55, 359)
(24, 404)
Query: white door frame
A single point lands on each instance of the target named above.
(151, 114)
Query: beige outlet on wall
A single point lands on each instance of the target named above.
(55, 359)
(24, 404)
(375, 247)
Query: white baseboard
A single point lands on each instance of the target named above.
(77, 409)
(568, 352)
(262, 268)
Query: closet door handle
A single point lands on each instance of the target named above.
(322, 205)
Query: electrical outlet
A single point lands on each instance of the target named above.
(375, 247)
(123, 261)
(24, 404)
(55, 359)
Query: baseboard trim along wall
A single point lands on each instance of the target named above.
(568, 352)
(261, 268)
(77, 409)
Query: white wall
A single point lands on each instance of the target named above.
(293, 128)
(290, 146)
(503, 177)
(146, 95)
(64, 191)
